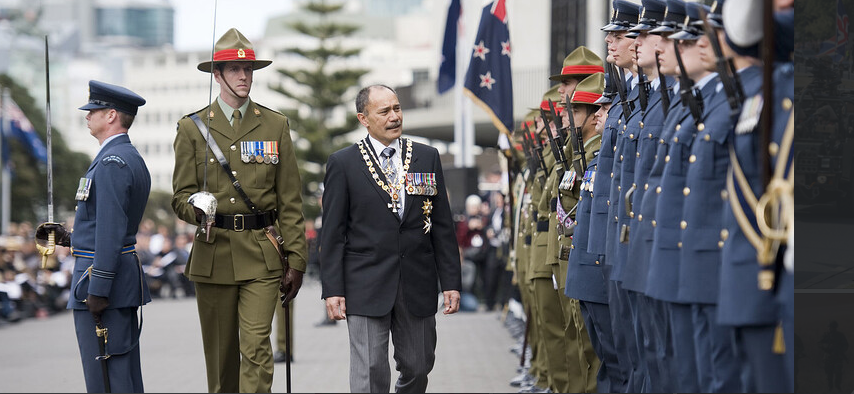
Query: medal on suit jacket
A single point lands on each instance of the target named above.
(428, 209)
(395, 189)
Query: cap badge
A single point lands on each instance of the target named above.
(714, 7)
(687, 20)
(643, 11)
(241, 53)
(665, 12)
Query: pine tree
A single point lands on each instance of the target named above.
(323, 88)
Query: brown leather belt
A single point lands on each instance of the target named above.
(245, 221)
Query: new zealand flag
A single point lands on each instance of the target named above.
(488, 80)
(18, 126)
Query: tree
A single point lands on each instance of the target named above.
(28, 195)
(321, 88)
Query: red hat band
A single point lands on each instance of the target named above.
(586, 97)
(234, 54)
(582, 70)
(545, 106)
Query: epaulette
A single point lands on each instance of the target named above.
(113, 159)
(196, 111)
(269, 109)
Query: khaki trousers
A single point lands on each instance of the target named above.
(236, 322)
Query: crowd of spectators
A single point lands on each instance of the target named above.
(483, 241)
(29, 291)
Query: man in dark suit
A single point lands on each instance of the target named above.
(387, 247)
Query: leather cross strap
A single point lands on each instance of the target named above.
(270, 231)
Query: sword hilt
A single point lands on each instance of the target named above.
(101, 332)
(48, 250)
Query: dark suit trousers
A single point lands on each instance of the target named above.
(414, 340)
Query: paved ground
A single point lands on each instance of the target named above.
(41, 355)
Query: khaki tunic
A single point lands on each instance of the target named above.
(228, 256)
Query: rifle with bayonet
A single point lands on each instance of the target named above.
(577, 141)
(665, 90)
(537, 153)
(690, 96)
(643, 85)
(529, 156)
(560, 136)
(620, 83)
(726, 71)
(557, 149)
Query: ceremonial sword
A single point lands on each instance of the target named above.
(51, 236)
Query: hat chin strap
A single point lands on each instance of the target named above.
(232, 89)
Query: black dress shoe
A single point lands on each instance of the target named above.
(280, 357)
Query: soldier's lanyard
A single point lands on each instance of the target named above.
(270, 231)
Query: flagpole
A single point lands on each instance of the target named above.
(6, 174)
(464, 130)
(458, 105)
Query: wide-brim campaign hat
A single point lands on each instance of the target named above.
(589, 90)
(105, 95)
(233, 47)
(551, 94)
(579, 63)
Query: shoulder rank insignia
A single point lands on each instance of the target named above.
(113, 159)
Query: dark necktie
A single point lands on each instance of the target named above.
(236, 123)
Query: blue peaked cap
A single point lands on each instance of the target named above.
(105, 95)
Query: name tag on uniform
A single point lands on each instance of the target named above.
(261, 152)
(421, 184)
(83, 189)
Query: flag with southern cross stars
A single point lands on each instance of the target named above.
(488, 82)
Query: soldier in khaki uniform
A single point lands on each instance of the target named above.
(520, 258)
(583, 112)
(237, 270)
(578, 65)
(546, 300)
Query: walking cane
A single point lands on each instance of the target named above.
(287, 346)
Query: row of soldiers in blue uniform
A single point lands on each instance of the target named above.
(653, 204)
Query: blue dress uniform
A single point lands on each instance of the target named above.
(665, 256)
(110, 203)
(699, 272)
(747, 300)
(644, 132)
(585, 281)
(620, 304)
